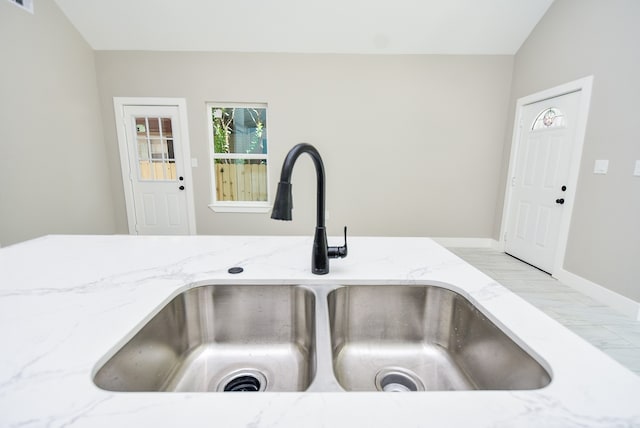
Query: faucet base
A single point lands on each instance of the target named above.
(320, 254)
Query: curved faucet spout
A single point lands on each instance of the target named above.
(284, 201)
(283, 205)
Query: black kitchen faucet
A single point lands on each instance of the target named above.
(284, 203)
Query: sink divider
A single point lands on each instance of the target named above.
(324, 379)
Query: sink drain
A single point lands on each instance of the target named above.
(243, 383)
(395, 379)
(245, 380)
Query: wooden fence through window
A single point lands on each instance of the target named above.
(241, 182)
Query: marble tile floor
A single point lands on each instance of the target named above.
(615, 334)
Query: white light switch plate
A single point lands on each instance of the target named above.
(636, 171)
(601, 166)
(194, 162)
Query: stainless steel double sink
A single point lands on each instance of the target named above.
(317, 338)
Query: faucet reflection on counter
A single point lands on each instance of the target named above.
(284, 203)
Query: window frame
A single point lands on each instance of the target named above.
(236, 206)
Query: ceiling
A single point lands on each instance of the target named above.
(466, 27)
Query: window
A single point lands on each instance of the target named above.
(154, 138)
(549, 118)
(238, 142)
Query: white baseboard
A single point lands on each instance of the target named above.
(467, 242)
(602, 294)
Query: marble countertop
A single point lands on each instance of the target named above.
(67, 301)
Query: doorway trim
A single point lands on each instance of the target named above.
(181, 104)
(583, 85)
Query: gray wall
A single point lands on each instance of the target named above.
(578, 38)
(52, 168)
(412, 144)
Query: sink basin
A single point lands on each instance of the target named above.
(319, 338)
(221, 338)
(415, 338)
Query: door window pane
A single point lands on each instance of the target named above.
(549, 118)
(156, 158)
(167, 132)
(143, 149)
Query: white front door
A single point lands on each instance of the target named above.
(539, 185)
(155, 169)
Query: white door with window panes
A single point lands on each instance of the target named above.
(155, 170)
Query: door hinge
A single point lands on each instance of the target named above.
(505, 237)
(136, 228)
(513, 181)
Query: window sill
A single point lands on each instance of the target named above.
(240, 208)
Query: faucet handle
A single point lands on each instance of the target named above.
(339, 252)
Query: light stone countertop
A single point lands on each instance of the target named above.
(68, 301)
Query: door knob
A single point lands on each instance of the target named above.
(182, 188)
(560, 201)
